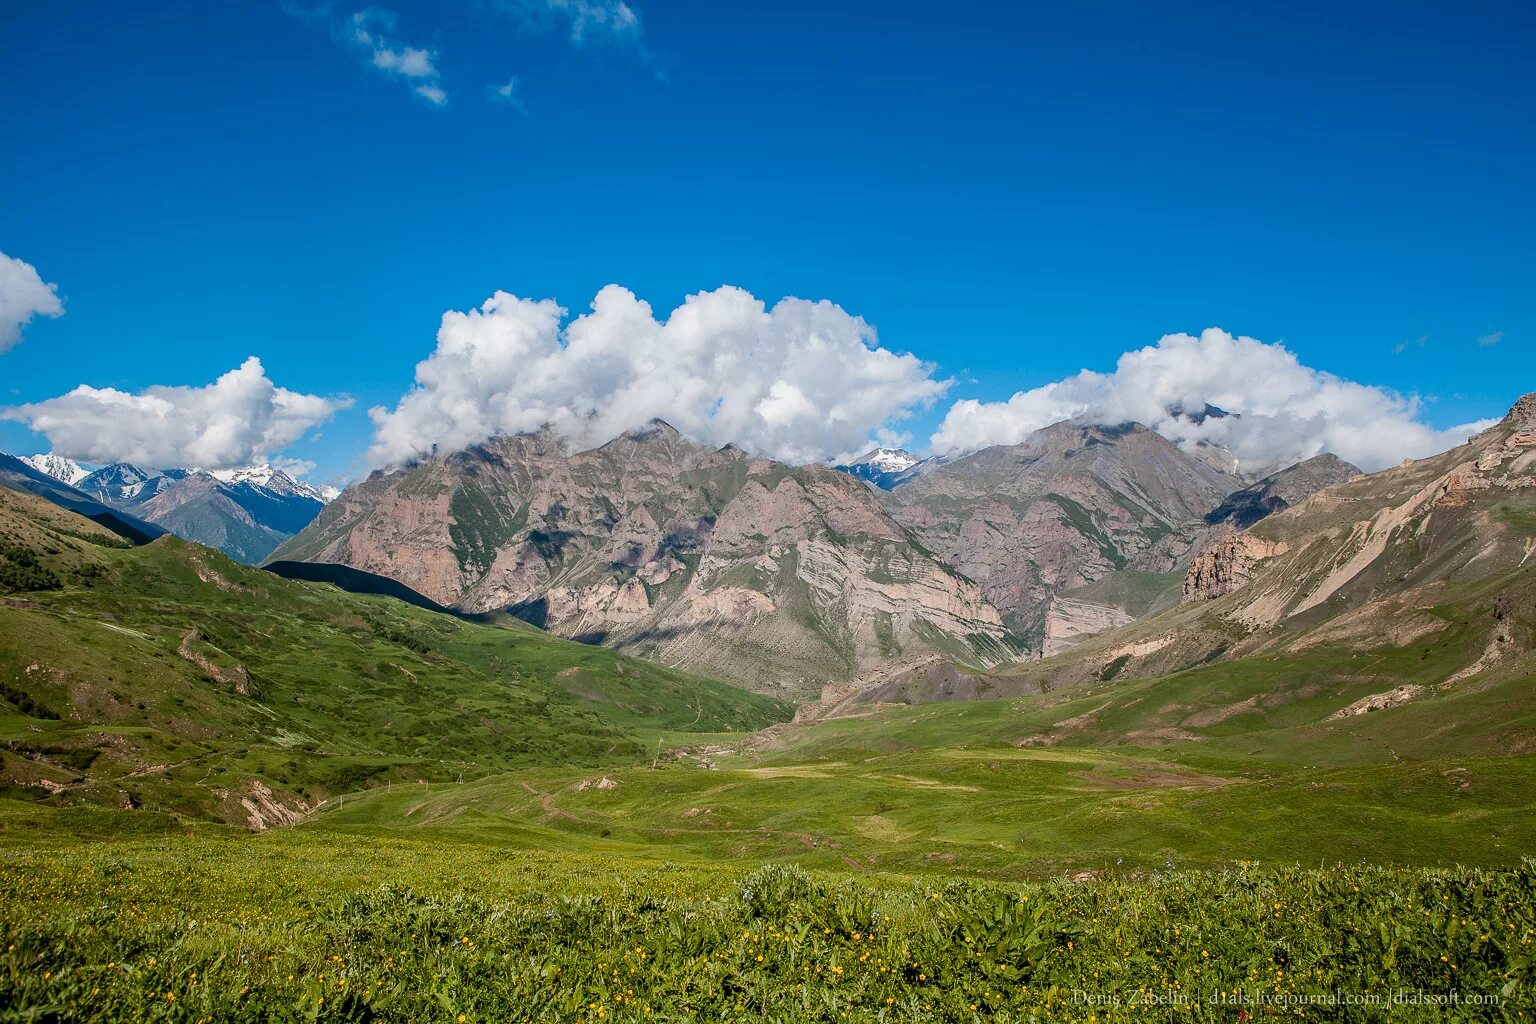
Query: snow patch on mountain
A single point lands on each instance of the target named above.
(888, 460)
(277, 481)
(887, 468)
(57, 466)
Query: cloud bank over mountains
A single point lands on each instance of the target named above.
(23, 295)
(1283, 411)
(239, 420)
(801, 381)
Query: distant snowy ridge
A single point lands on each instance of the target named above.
(887, 468)
(888, 460)
(277, 481)
(57, 466)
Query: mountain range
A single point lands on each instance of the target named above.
(19, 475)
(792, 579)
(785, 578)
(245, 513)
(1413, 587)
(1390, 614)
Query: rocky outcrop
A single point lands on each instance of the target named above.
(1069, 622)
(261, 808)
(1227, 564)
(194, 647)
(1379, 702)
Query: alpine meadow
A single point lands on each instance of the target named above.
(389, 633)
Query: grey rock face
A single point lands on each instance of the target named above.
(780, 577)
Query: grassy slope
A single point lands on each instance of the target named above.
(123, 685)
(1231, 760)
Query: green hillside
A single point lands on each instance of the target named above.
(168, 676)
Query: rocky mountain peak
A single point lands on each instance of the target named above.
(655, 427)
(58, 467)
(656, 432)
(1071, 504)
(888, 468)
(887, 460)
(1522, 414)
(117, 482)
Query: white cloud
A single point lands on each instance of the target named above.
(1489, 340)
(239, 420)
(23, 295)
(1285, 411)
(371, 30)
(432, 94)
(802, 381)
(410, 62)
(510, 93)
(609, 20)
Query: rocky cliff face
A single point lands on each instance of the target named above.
(1068, 507)
(1227, 563)
(783, 578)
(1068, 622)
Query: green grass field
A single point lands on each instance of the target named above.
(318, 924)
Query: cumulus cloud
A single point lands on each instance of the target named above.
(240, 419)
(1283, 411)
(23, 295)
(802, 381)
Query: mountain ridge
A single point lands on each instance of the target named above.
(244, 513)
(1069, 505)
(1425, 568)
(788, 577)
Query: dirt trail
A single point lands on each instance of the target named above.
(547, 802)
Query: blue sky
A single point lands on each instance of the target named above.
(1013, 193)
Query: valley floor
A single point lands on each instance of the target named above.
(869, 869)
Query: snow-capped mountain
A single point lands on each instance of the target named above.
(19, 474)
(245, 513)
(888, 467)
(119, 483)
(58, 467)
(889, 460)
(277, 481)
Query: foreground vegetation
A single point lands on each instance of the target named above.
(315, 924)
